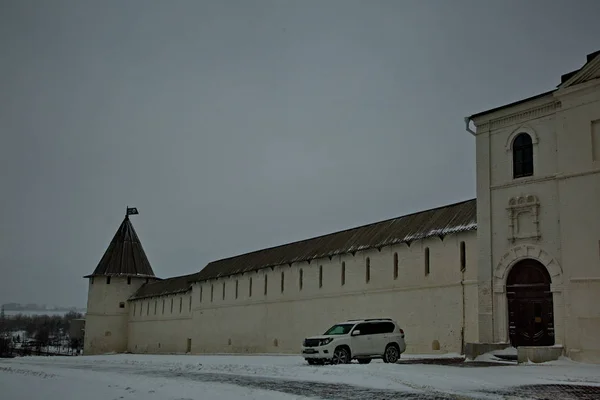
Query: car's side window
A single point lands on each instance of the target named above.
(364, 328)
(378, 328)
(387, 327)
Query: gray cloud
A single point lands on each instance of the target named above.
(236, 125)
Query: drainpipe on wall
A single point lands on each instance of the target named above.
(467, 122)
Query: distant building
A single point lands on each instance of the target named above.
(519, 264)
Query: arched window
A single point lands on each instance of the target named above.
(522, 149)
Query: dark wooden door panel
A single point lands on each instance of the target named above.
(530, 305)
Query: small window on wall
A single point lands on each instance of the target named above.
(282, 281)
(223, 290)
(200, 293)
(343, 273)
(190, 306)
(395, 266)
(250, 288)
(237, 285)
(368, 270)
(212, 292)
(463, 257)
(320, 276)
(108, 280)
(121, 305)
(171, 305)
(148, 308)
(522, 150)
(266, 283)
(129, 280)
(180, 305)
(426, 261)
(155, 306)
(134, 308)
(163, 306)
(300, 279)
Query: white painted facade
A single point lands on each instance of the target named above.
(107, 316)
(279, 320)
(549, 216)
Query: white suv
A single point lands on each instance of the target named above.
(361, 340)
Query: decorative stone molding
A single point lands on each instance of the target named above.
(526, 115)
(522, 129)
(499, 287)
(521, 252)
(523, 217)
(521, 116)
(556, 288)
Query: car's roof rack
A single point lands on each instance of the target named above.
(370, 319)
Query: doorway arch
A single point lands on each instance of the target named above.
(530, 304)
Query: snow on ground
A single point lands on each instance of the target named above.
(286, 377)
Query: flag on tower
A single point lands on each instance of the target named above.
(132, 211)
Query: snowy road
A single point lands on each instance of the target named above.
(272, 377)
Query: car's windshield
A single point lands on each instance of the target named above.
(340, 329)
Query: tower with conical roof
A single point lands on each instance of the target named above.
(121, 271)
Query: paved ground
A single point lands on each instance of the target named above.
(335, 391)
(552, 392)
(332, 391)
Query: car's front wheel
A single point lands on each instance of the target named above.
(392, 354)
(341, 355)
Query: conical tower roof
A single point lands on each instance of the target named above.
(125, 255)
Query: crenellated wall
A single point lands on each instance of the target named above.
(227, 316)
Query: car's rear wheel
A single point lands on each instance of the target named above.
(341, 355)
(364, 360)
(392, 353)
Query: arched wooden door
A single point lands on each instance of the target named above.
(530, 307)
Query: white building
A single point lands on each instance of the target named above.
(519, 264)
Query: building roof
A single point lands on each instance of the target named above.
(125, 255)
(441, 221)
(564, 78)
(178, 284)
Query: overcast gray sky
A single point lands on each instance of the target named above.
(237, 125)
